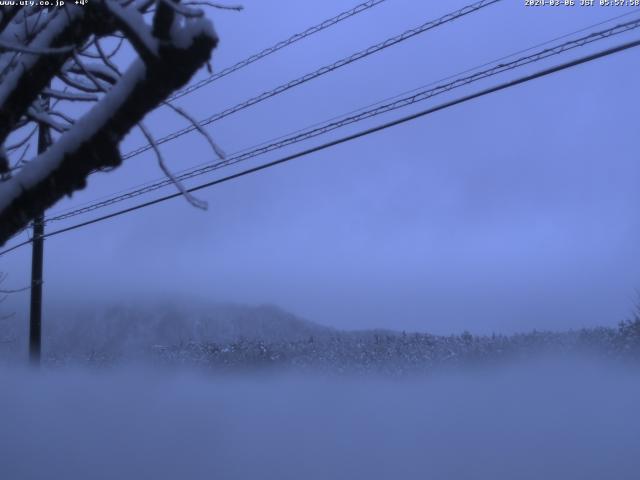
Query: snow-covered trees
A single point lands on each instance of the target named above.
(58, 60)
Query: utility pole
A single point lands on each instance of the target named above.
(37, 256)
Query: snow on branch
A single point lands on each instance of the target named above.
(70, 96)
(183, 10)
(32, 73)
(131, 23)
(96, 70)
(204, 3)
(170, 51)
(40, 116)
(14, 47)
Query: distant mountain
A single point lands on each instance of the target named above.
(226, 323)
(227, 336)
(120, 329)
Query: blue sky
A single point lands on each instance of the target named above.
(512, 212)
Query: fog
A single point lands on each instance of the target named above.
(519, 207)
(573, 419)
(513, 217)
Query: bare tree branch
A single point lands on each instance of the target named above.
(214, 146)
(13, 47)
(196, 202)
(33, 73)
(92, 141)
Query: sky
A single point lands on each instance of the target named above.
(513, 212)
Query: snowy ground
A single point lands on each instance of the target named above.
(544, 421)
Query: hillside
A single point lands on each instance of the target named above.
(231, 335)
(127, 328)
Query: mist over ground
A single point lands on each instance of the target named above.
(574, 419)
(448, 292)
(240, 392)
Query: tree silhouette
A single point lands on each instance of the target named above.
(60, 67)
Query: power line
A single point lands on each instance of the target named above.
(362, 133)
(387, 43)
(491, 62)
(155, 184)
(15, 247)
(416, 97)
(320, 72)
(362, 7)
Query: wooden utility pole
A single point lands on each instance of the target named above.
(37, 255)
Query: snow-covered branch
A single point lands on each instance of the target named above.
(170, 52)
(132, 24)
(15, 47)
(32, 73)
